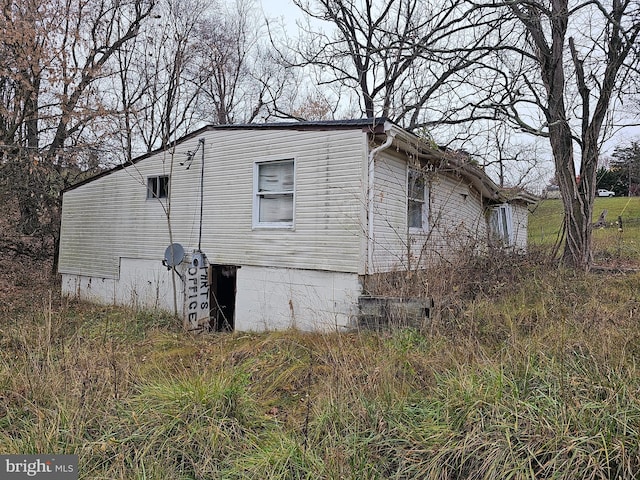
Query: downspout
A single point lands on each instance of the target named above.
(371, 196)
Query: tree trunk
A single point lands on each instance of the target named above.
(578, 207)
(576, 194)
(577, 218)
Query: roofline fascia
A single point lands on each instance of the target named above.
(478, 178)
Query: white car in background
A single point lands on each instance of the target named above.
(605, 193)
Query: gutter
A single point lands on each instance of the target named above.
(371, 196)
(481, 182)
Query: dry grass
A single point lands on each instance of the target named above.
(531, 373)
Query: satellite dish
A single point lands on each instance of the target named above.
(173, 255)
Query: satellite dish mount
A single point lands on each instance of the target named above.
(173, 256)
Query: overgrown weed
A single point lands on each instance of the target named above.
(528, 373)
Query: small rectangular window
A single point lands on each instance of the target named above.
(274, 193)
(158, 187)
(417, 202)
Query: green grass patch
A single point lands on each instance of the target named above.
(610, 244)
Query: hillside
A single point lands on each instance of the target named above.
(611, 246)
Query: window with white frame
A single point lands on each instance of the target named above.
(417, 202)
(501, 225)
(158, 187)
(273, 198)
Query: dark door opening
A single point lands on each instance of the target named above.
(223, 297)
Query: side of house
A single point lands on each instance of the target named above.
(281, 223)
(422, 214)
(281, 226)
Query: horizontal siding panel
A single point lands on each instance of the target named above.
(520, 225)
(463, 221)
(111, 217)
(390, 221)
(456, 218)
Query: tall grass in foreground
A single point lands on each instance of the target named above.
(531, 376)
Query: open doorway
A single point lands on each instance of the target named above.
(222, 281)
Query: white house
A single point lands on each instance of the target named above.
(280, 223)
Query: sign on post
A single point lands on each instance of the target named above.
(196, 303)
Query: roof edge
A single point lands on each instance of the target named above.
(372, 124)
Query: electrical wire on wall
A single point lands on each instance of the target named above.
(188, 162)
(201, 143)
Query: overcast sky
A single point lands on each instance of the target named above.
(281, 8)
(287, 11)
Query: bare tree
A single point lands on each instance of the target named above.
(239, 75)
(407, 60)
(157, 89)
(515, 161)
(54, 53)
(194, 63)
(572, 60)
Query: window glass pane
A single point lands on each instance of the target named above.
(495, 223)
(501, 225)
(276, 208)
(163, 187)
(505, 223)
(151, 187)
(158, 187)
(415, 214)
(416, 205)
(275, 177)
(416, 186)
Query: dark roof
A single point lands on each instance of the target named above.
(306, 124)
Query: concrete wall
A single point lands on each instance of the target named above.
(266, 299)
(141, 284)
(282, 298)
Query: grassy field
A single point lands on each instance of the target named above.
(610, 244)
(530, 373)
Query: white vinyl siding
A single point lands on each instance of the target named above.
(110, 217)
(457, 218)
(388, 243)
(454, 221)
